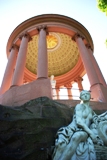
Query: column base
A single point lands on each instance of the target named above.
(18, 95)
(99, 93)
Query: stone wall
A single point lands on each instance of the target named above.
(95, 105)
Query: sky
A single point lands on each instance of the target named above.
(12, 13)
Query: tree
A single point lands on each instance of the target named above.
(102, 5)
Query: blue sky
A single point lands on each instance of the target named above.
(12, 13)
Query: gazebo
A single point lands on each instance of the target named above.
(47, 45)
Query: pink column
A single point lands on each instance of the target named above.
(98, 71)
(79, 82)
(93, 78)
(6, 83)
(57, 92)
(42, 68)
(69, 86)
(21, 59)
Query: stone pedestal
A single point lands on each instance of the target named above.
(18, 95)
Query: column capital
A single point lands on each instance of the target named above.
(57, 87)
(88, 46)
(44, 27)
(78, 79)
(77, 35)
(25, 35)
(14, 46)
(68, 85)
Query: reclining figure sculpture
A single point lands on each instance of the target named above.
(76, 141)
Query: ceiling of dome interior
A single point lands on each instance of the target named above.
(62, 52)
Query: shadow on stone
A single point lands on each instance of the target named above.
(27, 132)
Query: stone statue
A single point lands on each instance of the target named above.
(53, 81)
(76, 141)
(53, 84)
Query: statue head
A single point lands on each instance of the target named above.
(85, 95)
(52, 77)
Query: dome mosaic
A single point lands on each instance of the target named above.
(62, 51)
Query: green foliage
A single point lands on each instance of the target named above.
(106, 42)
(102, 5)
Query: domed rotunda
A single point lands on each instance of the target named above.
(44, 46)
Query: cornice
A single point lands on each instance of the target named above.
(47, 19)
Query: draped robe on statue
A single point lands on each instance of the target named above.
(85, 150)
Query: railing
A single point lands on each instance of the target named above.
(63, 94)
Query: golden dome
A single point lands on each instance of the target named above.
(62, 51)
(52, 41)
